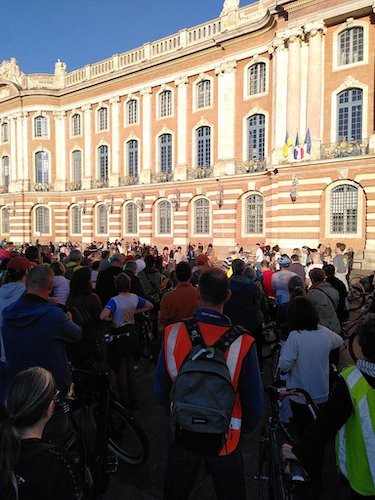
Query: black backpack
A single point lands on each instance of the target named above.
(202, 394)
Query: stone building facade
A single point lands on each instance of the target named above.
(257, 126)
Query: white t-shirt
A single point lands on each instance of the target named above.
(259, 255)
(124, 303)
(305, 358)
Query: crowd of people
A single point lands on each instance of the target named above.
(57, 300)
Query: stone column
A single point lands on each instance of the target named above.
(13, 169)
(293, 38)
(25, 149)
(145, 170)
(88, 171)
(60, 152)
(226, 118)
(315, 32)
(279, 101)
(114, 173)
(180, 170)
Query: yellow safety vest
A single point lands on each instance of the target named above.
(355, 441)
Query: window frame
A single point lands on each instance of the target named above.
(361, 218)
(3, 183)
(46, 210)
(134, 164)
(131, 100)
(164, 91)
(45, 119)
(97, 221)
(73, 124)
(75, 209)
(134, 207)
(246, 78)
(259, 200)
(196, 144)
(44, 170)
(335, 45)
(98, 119)
(5, 227)
(194, 216)
(73, 165)
(162, 205)
(258, 128)
(100, 166)
(168, 168)
(350, 106)
(4, 136)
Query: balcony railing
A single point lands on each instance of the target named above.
(4, 189)
(344, 149)
(41, 186)
(250, 167)
(73, 186)
(161, 177)
(99, 183)
(200, 172)
(128, 180)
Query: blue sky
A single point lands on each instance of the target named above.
(79, 32)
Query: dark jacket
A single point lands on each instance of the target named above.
(326, 299)
(35, 332)
(136, 285)
(341, 311)
(244, 306)
(105, 283)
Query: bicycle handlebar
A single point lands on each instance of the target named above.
(283, 392)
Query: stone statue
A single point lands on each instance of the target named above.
(10, 70)
(229, 6)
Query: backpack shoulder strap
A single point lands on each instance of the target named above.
(194, 332)
(229, 337)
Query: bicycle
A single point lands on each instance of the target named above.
(103, 431)
(359, 290)
(269, 340)
(280, 478)
(149, 346)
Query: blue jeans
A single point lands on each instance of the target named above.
(227, 473)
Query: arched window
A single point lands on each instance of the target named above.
(165, 100)
(349, 115)
(103, 163)
(41, 126)
(254, 214)
(5, 178)
(77, 166)
(344, 209)
(102, 219)
(132, 154)
(257, 78)
(42, 224)
(42, 167)
(5, 221)
(132, 111)
(165, 148)
(202, 216)
(256, 137)
(164, 217)
(4, 132)
(131, 226)
(102, 119)
(204, 94)
(76, 220)
(76, 124)
(350, 46)
(203, 135)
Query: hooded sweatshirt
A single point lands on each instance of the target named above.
(9, 294)
(35, 332)
(244, 305)
(326, 299)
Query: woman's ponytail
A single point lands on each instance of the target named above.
(10, 446)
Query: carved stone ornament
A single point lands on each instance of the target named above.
(146, 90)
(86, 107)
(4, 93)
(350, 82)
(278, 44)
(181, 80)
(203, 122)
(343, 173)
(293, 35)
(229, 6)
(11, 71)
(226, 67)
(314, 28)
(255, 16)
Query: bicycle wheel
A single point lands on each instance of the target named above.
(264, 465)
(275, 363)
(126, 439)
(356, 296)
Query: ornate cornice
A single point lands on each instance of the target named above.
(226, 67)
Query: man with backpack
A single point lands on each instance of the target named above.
(216, 395)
